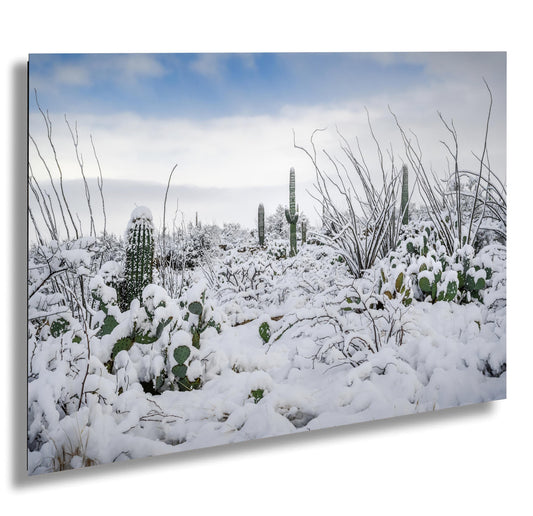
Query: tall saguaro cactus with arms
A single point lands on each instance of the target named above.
(291, 213)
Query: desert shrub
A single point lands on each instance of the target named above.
(146, 344)
(421, 265)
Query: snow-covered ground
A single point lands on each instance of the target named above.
(285, 345)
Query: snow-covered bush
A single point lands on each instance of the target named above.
(233, 236)
(421, 263)
(150, 338)
(276, 225)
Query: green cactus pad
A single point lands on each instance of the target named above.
(110, 323)
(264, 332)
(407, 301)
(181, 353)
(59, 327)
(196, 339)
(159, 381)
(474, 285)
(451, 291)
(425, 285)
(179, 371)
(399, 282)
(122, 344)
(144, 338)
(196, 308)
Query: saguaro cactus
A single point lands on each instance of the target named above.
(404, 207)
(261, 224)
(291, 214)
(139, 253)
(304, 232)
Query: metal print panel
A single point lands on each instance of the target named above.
(225, 247)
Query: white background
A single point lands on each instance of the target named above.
(469, 460)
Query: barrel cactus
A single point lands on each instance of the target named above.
(138, 270)
(261, 224)
(291, 213)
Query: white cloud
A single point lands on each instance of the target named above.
(466, 68)
(72, 75)
(214, 65)
(209, 65)
(136, 65)
(125, 70)
(256, 152)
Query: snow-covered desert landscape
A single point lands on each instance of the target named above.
(374, 287)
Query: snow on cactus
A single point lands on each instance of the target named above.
(139, 265)
(291, 213)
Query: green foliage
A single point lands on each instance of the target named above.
(399, 282)
(147, 330)
(277, 251)
(124, 343)
(439, 277)
(398, 288)
(179, 371)
(196, 338)
(196, 308)
(424, 284)
(150, 337)
(198, 319)
(451, 291)
(264, 332)
(109, 324)
(59, 327)
(197, 328)
(257, 395)
(261, 224)
(181, 353)
(291, 213)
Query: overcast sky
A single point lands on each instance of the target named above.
(227, 120)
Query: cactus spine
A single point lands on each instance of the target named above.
(405, 196)
(261, 224)
(291, 214)
(139, 253)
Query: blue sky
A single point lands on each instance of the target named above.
(206, 85)
(227, 120)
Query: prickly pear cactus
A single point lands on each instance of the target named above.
(138, 270)
(261, 224)
(291, 213)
